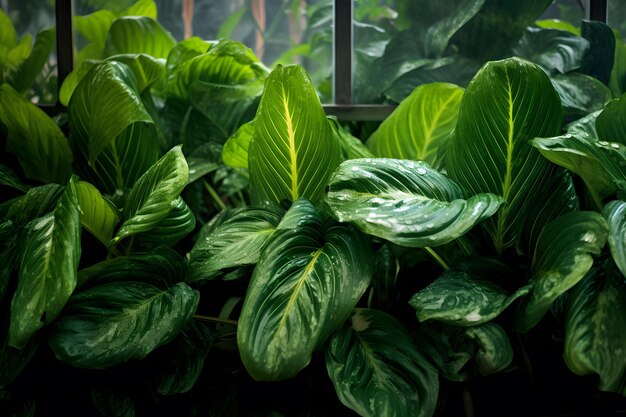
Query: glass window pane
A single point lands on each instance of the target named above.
(29, 69)
(617, 16)
(278, 31)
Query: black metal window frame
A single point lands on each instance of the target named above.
(343, 10)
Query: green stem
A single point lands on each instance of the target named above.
(216, 198)
(214, 319)
(436, 257)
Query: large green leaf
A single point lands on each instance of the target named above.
(48, 269)
(611, 123)
(235, 152)
(310, 276)
(37, 202)
(405, 202)
(154, 195)
(35, 139)
(595, 329)
(237, 241)
(598, 61)
(554, 50)
(580, 94)
(378, 371)
(351, 147)
(138, 35)
(563, 256)
(172, 229)
(97, 214)
(23, 76)
(114, 323)
(617, 82)
(10, 179)
(615, 216)
(507, 103)
(184, 51)
(599, 163)
(420, 125)
(294, 149)
(465, 296)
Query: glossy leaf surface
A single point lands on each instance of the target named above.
(294, 149)
(563, 256)
(405, 202)
(611, 123)
(97, 214)
(615, 216)
(308, 280)
(377, 370)
(137, 35)
(420, 125)
(113, 323)
(507, 103)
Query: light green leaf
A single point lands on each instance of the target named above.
(235, 152)
(558, 24)
(48, 269)
(12, 360)
(308, 280)
(97, 214)
(598, 163)
(556, 51)
(595, 329)
(154, 195)
(405, 202)
(184, 51)
(611, 123)
(563, 256)
(237, 241)
(351, 147)
(465, 296)
(617, 81)
(507, 103)
(138, 35)
(142, 8)
(147, 69)
(420, 125)
(35, 139)
(615, 215)
(24, 76)
(8, 35)
(294, 149)
(95, 27)
(168, 232)
(378, 371)
(580, 94)
(114, 323)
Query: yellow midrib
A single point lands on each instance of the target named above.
(292, 149)
(506, 185)
(428, 130)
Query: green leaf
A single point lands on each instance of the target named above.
(611, 122)
(507, 103)
(617, 81)
(563, 256)
(168, 232)
(48, 269)
(37, 202)
(147, 69)
(405, 202)
(237, 241)
(235, 152)
(183, 360)
(8, 35)
(35, 139)
(580, 94)
(114, 323)
(112, 402)
(378, 371)
(73, 79)
(595, 330)
(556, 51)
(95, 27)
(558, 24)
(12, 360)
(142, 8)
(585, 125)
(138, 35)
(97, 214)
(465, 296)
(308, 280)
(24, 76)
(420, 125)
(598, 61)
(10, 179)
(154, 195)
(184, 51)
(162, 267)
(615, 215)
(598, 163)
(294, 149)
(351, 147)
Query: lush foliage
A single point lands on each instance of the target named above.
(194, 224)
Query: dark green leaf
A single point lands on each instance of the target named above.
(598, 61)
(405, 202)
(97, 214)
(138, 35)
(617, 82)
(420, 125)
(24, 76)
(154, 195)
(563, 256)
(48, 269)
(595, 330)
(12, 360)
(558, 24)
(8, 178)
(35, 139)
(382, 292)
(580, 94)
(35, 203)
(585, 125)
(112, 403)
(378, 371)
(294, 149)
(237, 241)
(308, 280)
(465, 297)
(507, 103)
(615, 215)
(185, 50)
(114, 323)
(611, 123)
(168, 232)
(554, 50)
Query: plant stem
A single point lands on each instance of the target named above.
(214, 195)
(468, 403)
(436, 257)
(214, 319)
